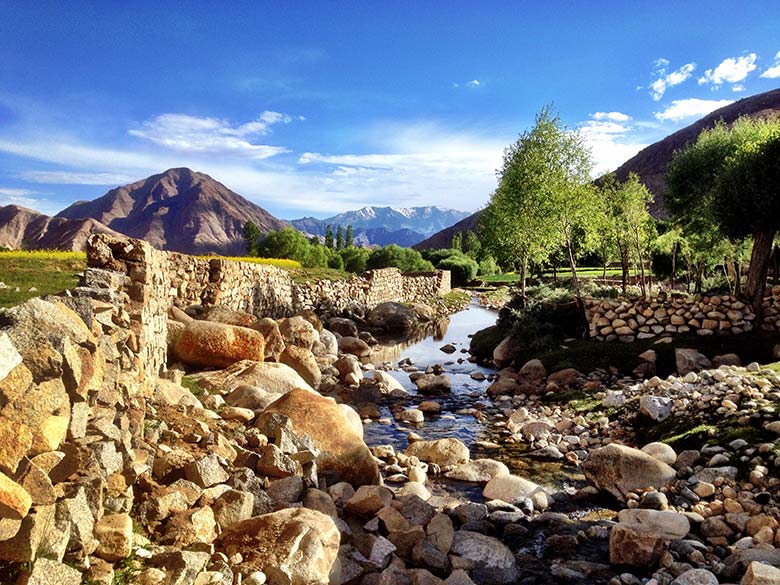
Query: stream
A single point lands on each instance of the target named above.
(486, 436)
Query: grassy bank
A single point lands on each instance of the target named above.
(36, 273)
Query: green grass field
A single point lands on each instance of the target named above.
(584, 272)
(46, 271)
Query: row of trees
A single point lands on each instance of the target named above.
(546, 204)
(723, 195)
(311, 253)
(341, 241)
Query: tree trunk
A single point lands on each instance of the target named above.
(624, 267)
(737, 278)
(523, 268)
(674, 262)
(642, 283)
(776, 256)
(759, 266)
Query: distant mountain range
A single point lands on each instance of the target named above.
(385, 225)
(185, 211)
(651, 162)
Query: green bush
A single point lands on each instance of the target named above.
(405, 259)
(463, 269)
(355, 259)
(336, 262)
(488, 266)
(436, 256)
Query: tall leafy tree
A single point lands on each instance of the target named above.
(471, 245)
(252, 237)
(457, 242)
(730, 178)
(339, 238)
(329, 237)
(349, 240)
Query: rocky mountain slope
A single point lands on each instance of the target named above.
(24, 228)
(650, 164)
(385, 225)
(443, 239)
(179, 210)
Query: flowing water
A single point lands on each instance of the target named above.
(483, 436)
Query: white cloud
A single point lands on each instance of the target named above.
(474, 83)
(665, 80)
(614, 116)
(730, 70)
(26, 198)
(609, 137)
(737, 87)
(196, 134)
(76, 178)
(688, 108)
(774, 71)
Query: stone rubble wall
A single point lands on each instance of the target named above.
(155, 280)
(662, 316)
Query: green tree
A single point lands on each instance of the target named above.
(339, 238)
(471, 245)
(329, 237)
(252, 237)
(729, 178)
(463, 268)
(349, 240)
(355, 259)
(457, 242)
(629, 227)
(285, 243)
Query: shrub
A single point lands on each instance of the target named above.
(463, 269)
(336, 262)
(488, 266)
(405, 259)
(354, 259)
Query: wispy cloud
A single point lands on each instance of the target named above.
(611, 139)
(196, 134)
(75, 178)
(25, 198)
(613, 116)
(473, 83)
(774, 71)
(730, 70)
(689, 108)
(665, 79)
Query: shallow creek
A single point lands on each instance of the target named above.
(484, 437)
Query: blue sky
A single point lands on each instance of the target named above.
(312, 108)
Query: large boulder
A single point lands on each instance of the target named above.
(506, 351)
(343, 454)
(393, 317)
(433, 384)
(216, 345)
(274, 342)
(302, 361)
(39, 329)
(220, 314)
(342, 326)
(618, 469)
(441, 451)
(488, 559)
(690, 360)
(640, 535)
(532, 371)
(514, 489)
(269, 376)
(294, 546)
(354, 346)
(298, 331)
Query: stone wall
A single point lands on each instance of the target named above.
(663, 316)
(153, 281)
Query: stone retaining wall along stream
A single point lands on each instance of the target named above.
(156, 280)
(629, 320)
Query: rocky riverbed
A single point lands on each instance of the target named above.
(304, 451)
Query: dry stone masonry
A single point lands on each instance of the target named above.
(154, 281)
(628, 320)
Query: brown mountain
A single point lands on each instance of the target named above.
(650, 164)
(443, 239)
(24, 228)
(179, 210)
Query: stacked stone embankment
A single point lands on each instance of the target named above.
(629, 320)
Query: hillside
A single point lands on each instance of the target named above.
(24, 228)
(179, 210)
(650, 164)
(443, 239)
(385, 225)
